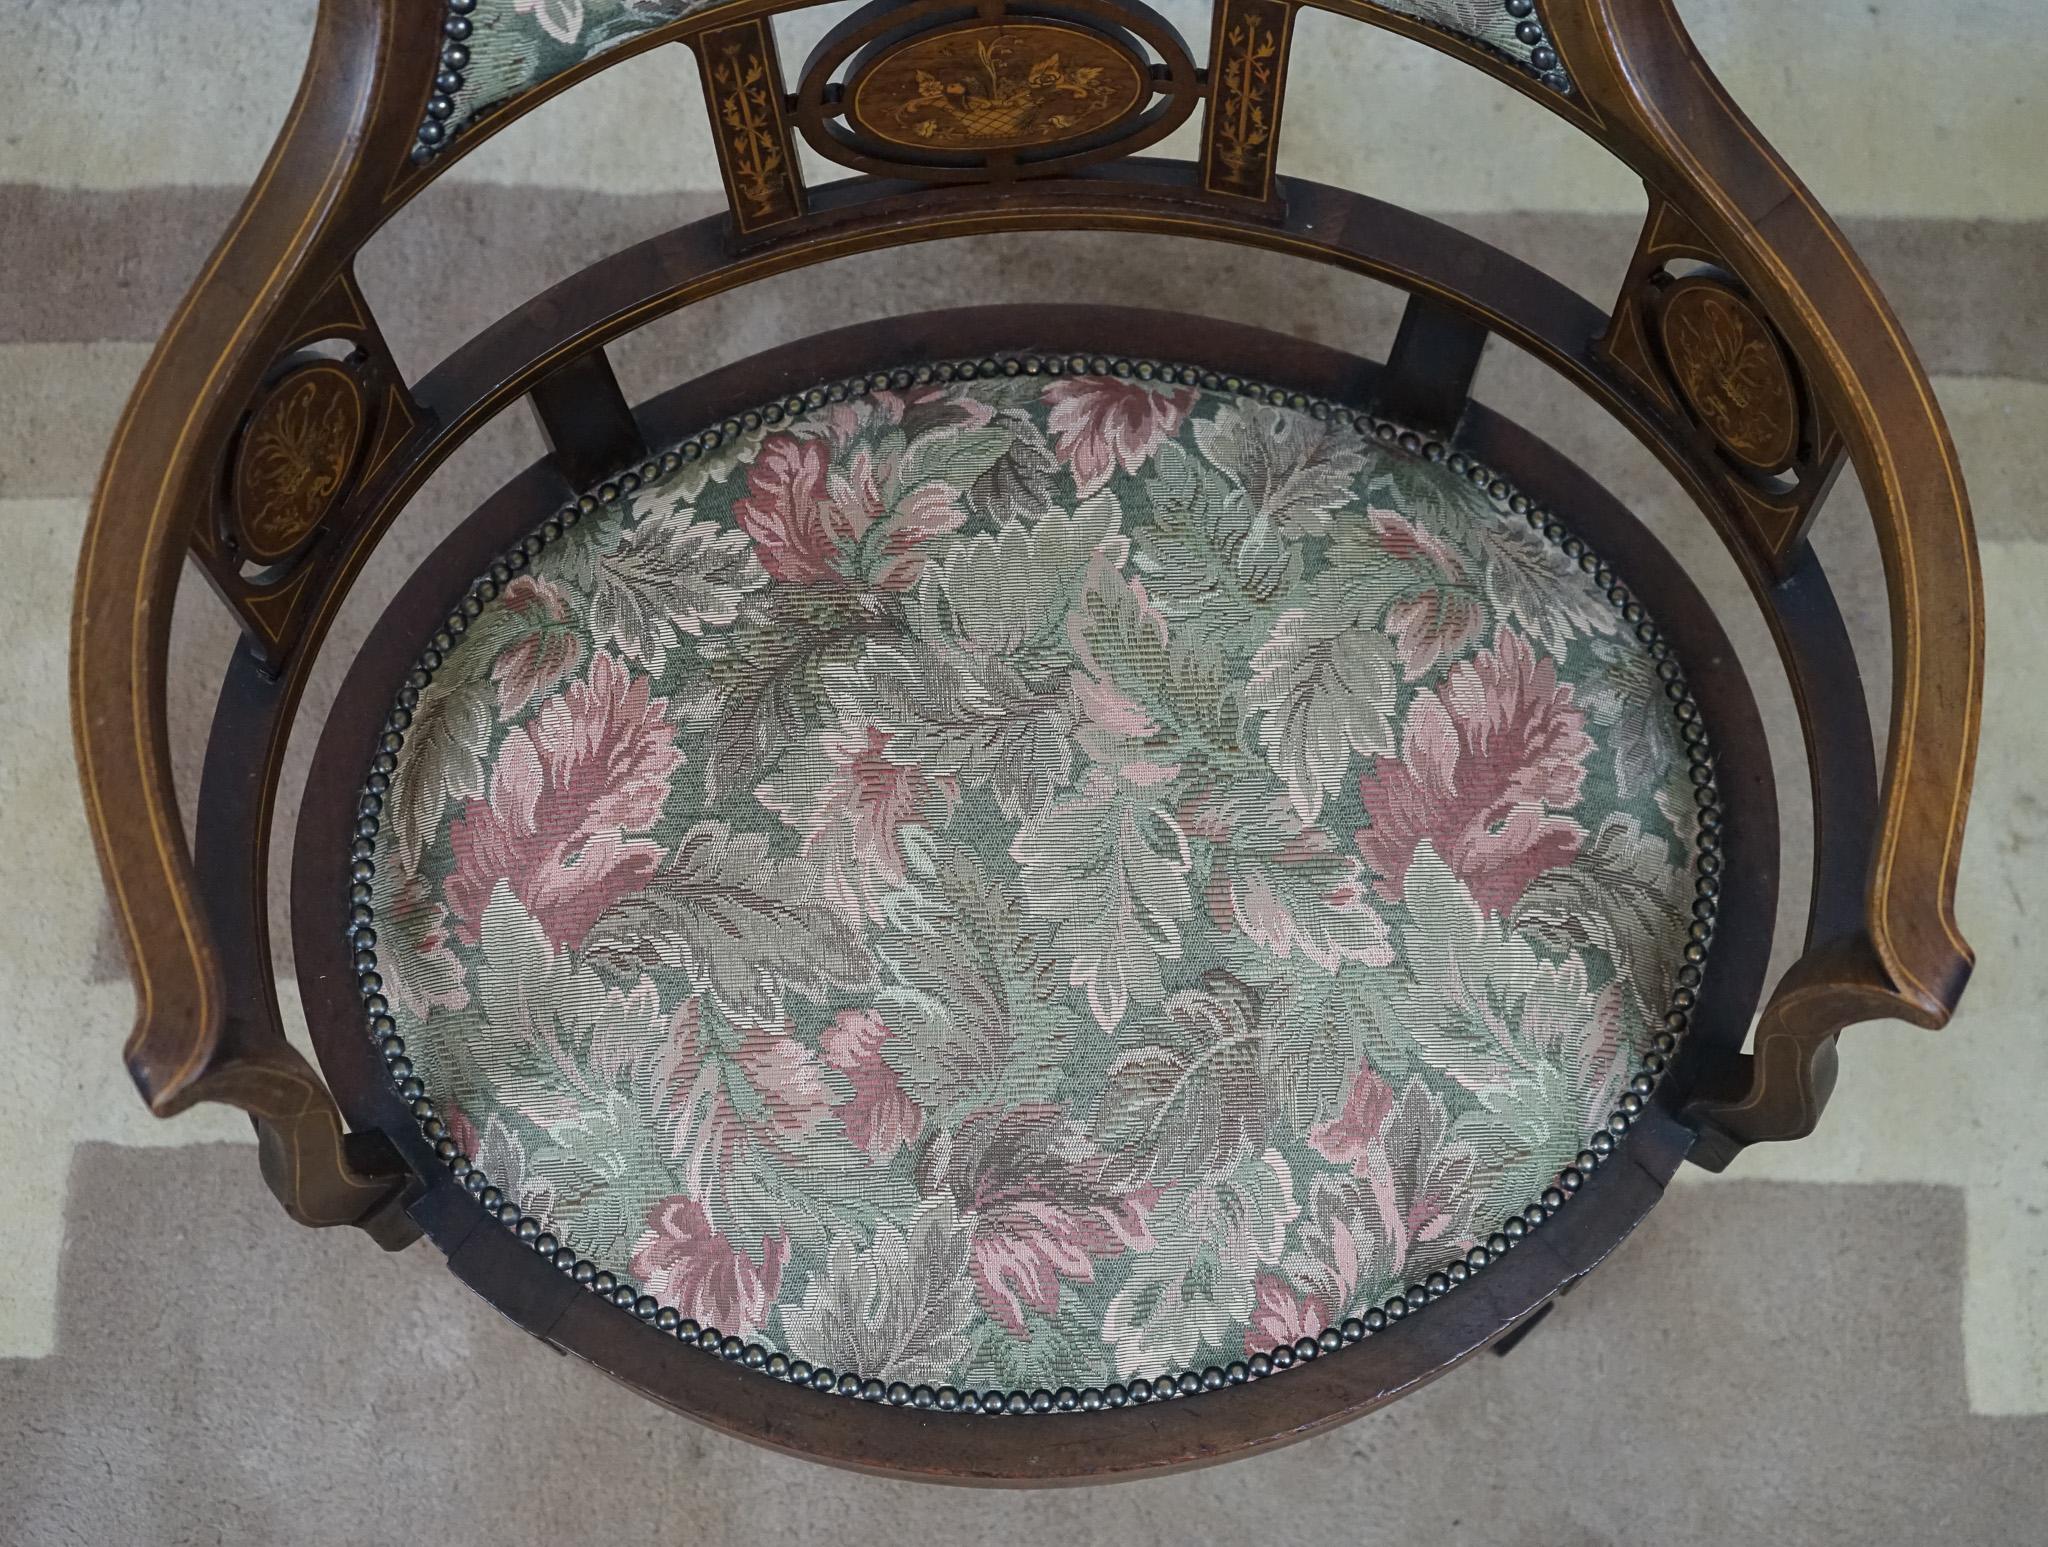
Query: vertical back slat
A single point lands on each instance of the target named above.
(743, 89)
(1247, 84)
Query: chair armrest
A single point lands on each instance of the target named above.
(189, 1042)
(1900, 954)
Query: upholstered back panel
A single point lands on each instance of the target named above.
(1513, 27)
(499, 49)
(515, 45)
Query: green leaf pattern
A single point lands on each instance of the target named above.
(966, 899)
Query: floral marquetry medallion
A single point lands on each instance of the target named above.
(998, 86)
(913, 90)
(1035, 879)
(294, 458)
(1732, 371)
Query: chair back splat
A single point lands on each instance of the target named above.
(1226, 1055)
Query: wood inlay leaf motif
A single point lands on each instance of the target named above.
(1246, 77)
(294, 459)
(753, 144)
(1733, 372)
(997, 86)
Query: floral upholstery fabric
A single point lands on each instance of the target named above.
(1035, 880)
(1487, 21)
(515, 45)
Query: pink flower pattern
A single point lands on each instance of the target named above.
(881, 1118)
(811, 521)
(930, 964)
(1490, 763)
(1101, 424)
(853, 830)
(428, 976)
(1040, 1209)
(594, 765)
(536, 661)
(682, 1261)
(1415, 1172)
(764, 1095)
(1281, 1317)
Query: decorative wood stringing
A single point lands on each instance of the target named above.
(1647, 96)
(743, 89)
(1247, 81)
(316, 430)
(1699, 346)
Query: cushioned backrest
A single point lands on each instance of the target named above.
(515, 45)
(1514, 27)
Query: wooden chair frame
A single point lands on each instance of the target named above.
(1726, 218)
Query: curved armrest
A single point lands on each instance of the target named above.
(1900, 954)
(162, 476)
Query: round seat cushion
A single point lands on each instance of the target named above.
(1061, 875)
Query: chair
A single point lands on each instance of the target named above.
(1039, 893)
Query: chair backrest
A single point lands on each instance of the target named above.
(1747, 349)
(497, 52)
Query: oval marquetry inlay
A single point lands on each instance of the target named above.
(1732, 371)
(294, 458)
(997, 86)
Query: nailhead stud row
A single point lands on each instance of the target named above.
(621, 1292)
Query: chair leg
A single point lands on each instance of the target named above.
(585, 419)
(1428, 379)
(1513, 1341)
